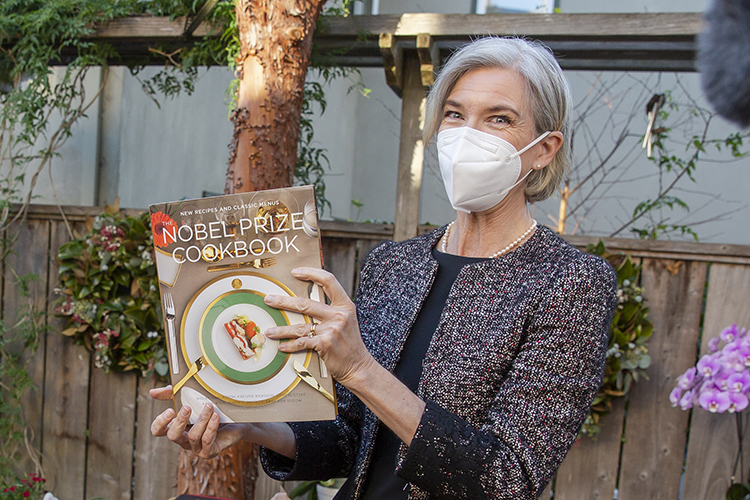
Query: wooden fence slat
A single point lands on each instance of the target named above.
(111, 422)
(155, 458)
(654, 447)
(338, 257)
(590, 469)
(29, 257)
(713, 442)
(66, 392)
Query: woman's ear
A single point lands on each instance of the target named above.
(548, 148)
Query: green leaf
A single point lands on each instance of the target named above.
(738, 491)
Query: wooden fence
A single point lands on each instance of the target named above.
(93, 428)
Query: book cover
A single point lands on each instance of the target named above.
(216, 259)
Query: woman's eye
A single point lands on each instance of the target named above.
(452, 115)
(500, 119)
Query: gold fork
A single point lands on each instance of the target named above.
(169, 315)
(199, 364)
(255, 263)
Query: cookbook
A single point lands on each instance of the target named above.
(216, 259)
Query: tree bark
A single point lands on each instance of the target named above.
(276, 43)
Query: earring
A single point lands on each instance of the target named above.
(538, 167)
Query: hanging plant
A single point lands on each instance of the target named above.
(110, 295)
(627, 355)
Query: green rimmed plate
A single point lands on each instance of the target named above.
(218, 348)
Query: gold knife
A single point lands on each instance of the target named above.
(309, 379)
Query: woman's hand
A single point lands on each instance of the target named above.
(336, 337)
(205, 439)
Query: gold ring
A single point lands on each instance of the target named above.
(312, 329)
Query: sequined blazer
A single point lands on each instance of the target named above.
(508, 378)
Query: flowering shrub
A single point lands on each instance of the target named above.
(30, 488)
(110, 295)
(627, 356)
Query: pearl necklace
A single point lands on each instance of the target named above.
(497, 254)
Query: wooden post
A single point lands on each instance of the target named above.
(411, 150)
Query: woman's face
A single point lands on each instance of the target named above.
(491, 100)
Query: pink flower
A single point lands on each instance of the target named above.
(739, 382)
(737, 402)
(685, 380)
(674, 396)
(686, 401)
(729, 333)
(733, 362)
(720, 380)
(730, 348)
(713, 344)
(743, 353)
(708, 365)
(715, 401)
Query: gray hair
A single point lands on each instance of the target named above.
(547, 90)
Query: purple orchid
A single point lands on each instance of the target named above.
(720, 380)
(708, 365)
(715, 401)
(729, 333)
(685, 380)
(686, 401)
(737, 402)
(739, 382)
(674, 396)
(713, 344)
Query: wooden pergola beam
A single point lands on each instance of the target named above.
(663, 41)
(411, 47)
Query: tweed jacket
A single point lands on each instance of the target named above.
(508, 378)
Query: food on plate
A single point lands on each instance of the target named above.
(246, 336)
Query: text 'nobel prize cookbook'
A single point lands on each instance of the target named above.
(217, 258)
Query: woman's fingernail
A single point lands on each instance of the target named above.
(214, 417)
(185, 411)
(168, 413)
(270, 299)
(270, 332)
(296, 271)
(208, 408)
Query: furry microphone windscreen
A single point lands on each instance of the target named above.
(723, 59)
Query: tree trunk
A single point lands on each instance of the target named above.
(276, 42)
(230, 475)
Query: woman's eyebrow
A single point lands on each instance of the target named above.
(502, 108)
(498, 108)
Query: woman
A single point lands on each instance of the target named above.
(473, 353)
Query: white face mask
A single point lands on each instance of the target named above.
(478, 169)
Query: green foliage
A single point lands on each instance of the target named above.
(307, 489)
(18, 343)
(738, 491)
(110, 295)
(627, 355)
(673, 166)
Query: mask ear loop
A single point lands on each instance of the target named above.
(531, 144)
(513, 156)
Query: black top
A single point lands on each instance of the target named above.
(381, 481)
